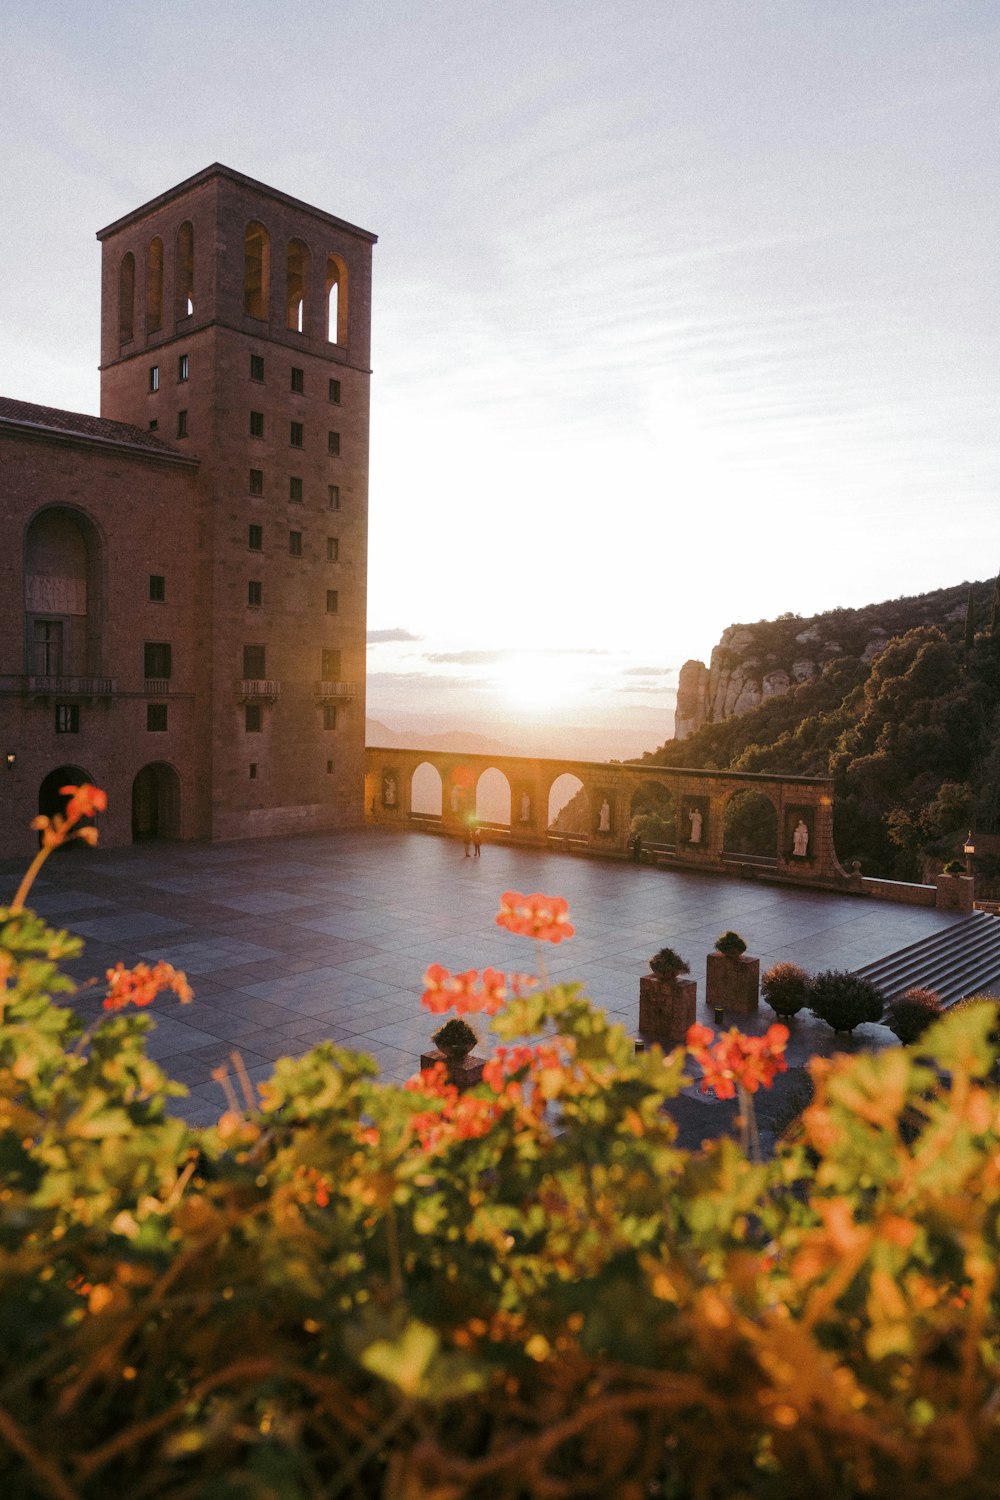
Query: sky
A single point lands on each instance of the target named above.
(685, 311)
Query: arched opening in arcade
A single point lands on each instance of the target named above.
(493, 798)
(653, 815)
(426, 791)
(156, 803)
(52, 799)
(569, 806)
(62, 594)
(750, 827)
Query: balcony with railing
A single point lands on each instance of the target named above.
(70, 687)
(337, 692)
(258, 690)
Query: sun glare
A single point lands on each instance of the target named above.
(535, 682)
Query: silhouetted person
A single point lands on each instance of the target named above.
(477, 839)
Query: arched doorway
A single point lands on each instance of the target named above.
(426, 791)
(52, 800)
(62, 594)
(156, 803)
(750, 826)
(654, 815)
(569, 805)
(493, 798)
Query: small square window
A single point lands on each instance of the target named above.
(333, 496)
(182, 367)
(329, 716)
(331, 601)
(157, 587)
(333, 442)
(254, 657)
(257, 424)
(253, 718)
(156, 660)
(182, 424)
(255, 538)
(295, 435)
(256, 481)
(67, 718)
(154, 425)
(253, 770)
(295, 543)
(154, 377)
(335, 392)
(156, 717)
(255, 593)
(332, 549)
(294, 488)
(256, 367)
(298, 380)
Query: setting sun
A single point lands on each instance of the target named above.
(536, 682)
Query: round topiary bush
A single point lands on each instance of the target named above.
(667, 964)
(456, 1037)
(785, 987)
(909, 1015)
(844, 1000)
(730, 944)
(954, 867)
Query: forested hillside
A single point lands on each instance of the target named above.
(911, 736)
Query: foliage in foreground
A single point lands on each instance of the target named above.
(365, 1290)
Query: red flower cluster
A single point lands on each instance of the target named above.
(750, 1062)
(462, 1117)
(466, 992)
(536, 916)
(141, 985)
(84, 801)
(509, 1060)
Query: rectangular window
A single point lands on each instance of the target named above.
(253, 770)
(256, 481)
(333, 442)
(156, 660)
(256, 424)
(255, 593)
(67, 718)
(332, 549)
(331, 601)
(295, 543)
(157, 587)
(47, 648)
(331, 666)
(154, 377)
(182, 368)
(254, 668)
(295, 436)
(298, 380)
(294, 488)
(329, 768)
(253, 718)
(329, 716)
(182, 424)
(156, 717)
(255, 538)
(333, 496)
(335, 392)
(257, 367)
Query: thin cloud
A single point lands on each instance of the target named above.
(649, 672)
(378, 637)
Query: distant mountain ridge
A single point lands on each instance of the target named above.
(377, 733)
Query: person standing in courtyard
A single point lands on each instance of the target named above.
(477, 839)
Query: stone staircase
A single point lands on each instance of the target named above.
(963, 959)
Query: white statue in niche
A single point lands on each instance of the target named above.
(800, 839)
(389, 794)
(695, 819)
(604, 821)
(456, 798)
(525, 808)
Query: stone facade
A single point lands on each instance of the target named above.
(183, 580)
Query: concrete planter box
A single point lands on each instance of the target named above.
(667, 1007)
(467, 1073)
(732, 983)
(955, 892)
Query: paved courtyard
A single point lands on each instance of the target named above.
(290, 942)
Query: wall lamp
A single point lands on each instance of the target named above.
(11, 760)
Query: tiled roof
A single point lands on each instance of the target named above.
(81, 424)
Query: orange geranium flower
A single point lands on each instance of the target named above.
(465, 992)
(84, 801)
(536, 916)
(141, 985)
(735, 1060)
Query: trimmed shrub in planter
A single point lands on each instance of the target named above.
(667, 1002)
(732, 980)
(844, 1000)
(785, 987)
(954, 867)
(909, 1015)
(455, 1041)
